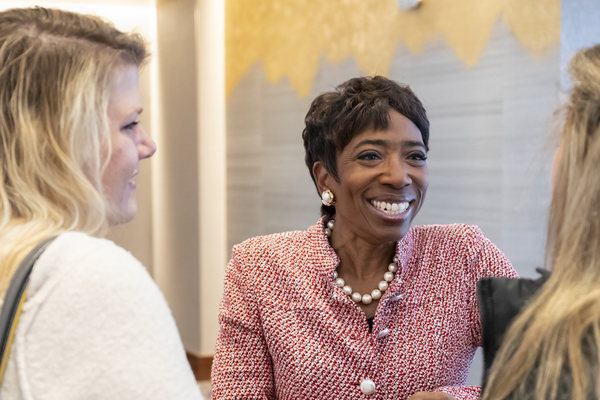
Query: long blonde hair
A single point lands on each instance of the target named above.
(56, 73)
(551, 349)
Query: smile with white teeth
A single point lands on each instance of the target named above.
(390, 208)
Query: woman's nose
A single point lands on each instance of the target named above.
(146, 146)
(396, 174)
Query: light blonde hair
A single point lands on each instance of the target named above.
(551, 349)
(57, 69)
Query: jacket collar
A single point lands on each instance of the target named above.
(320, 253)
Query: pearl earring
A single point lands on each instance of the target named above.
(327, 198)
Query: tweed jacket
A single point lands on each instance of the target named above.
(287, 331)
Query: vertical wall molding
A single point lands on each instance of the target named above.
(210, 58)
(176, 233)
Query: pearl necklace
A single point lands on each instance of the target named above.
(376, 293)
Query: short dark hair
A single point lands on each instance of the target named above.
(336, 117)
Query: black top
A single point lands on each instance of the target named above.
(370, 322)
(500, 301)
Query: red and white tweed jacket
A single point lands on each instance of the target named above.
(288, 332)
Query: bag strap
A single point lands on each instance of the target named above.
(16, 295)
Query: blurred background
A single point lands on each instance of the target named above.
(231, 80)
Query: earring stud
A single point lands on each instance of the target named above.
(328, 198)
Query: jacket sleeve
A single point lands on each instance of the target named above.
(485, 260)
(242, 366)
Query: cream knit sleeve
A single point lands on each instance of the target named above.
(95, 327)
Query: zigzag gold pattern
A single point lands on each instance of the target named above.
(290, 35)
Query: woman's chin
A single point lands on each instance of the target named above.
(121, 216)
(391, 226)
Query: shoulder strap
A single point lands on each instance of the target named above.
(14, 300)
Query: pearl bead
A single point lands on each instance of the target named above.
(357, 297)
(388, 276)
(376, 294)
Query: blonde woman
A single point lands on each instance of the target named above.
(94, 325)
(551, 350)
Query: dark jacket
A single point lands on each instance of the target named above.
(500, 301)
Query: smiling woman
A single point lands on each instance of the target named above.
(361, 303)
(129, 145)
(371, 169)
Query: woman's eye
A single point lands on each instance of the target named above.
(418, 156)
(131, 125)
(369, 156)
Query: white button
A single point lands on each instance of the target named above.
(383, 333)
(367, 386)
(396, 298)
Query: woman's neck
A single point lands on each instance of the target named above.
(359, 257)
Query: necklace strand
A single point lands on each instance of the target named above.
(375, 293)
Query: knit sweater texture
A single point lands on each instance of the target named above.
(95, 326)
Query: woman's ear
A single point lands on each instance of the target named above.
(321, 176)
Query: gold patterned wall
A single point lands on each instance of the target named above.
(290, 36)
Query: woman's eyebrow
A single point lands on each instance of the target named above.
(135, 112)
(409, 143)
(414, 143)
(372, 142)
